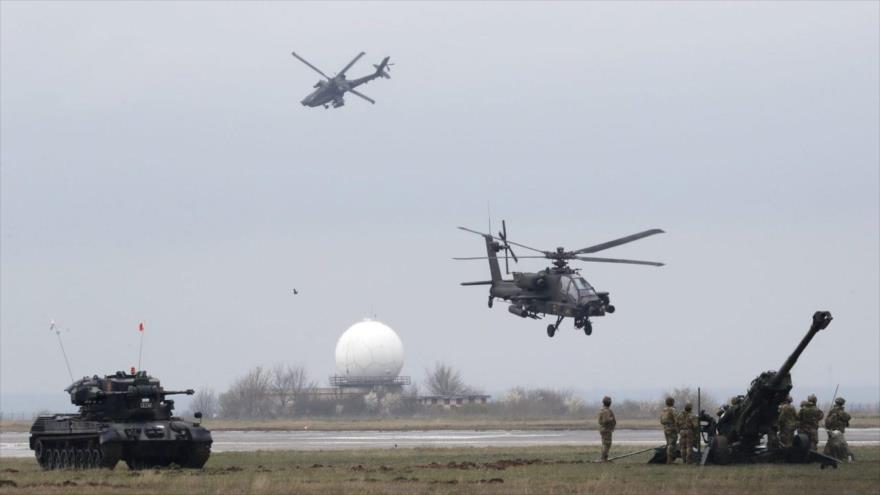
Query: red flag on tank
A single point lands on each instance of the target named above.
(141, 327)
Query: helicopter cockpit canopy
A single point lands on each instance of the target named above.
(577, 289)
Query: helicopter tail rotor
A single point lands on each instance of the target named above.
(506, 246)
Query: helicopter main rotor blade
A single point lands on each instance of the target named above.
(614, 260)
(354, 92)
(468, 258)
(344, 69)
(310, 65)
(618, 242)
(509, 242)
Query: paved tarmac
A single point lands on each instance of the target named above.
(16, 444)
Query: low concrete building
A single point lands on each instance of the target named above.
(451, 401)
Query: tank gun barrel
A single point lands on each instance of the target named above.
(821, 319)
(188, 391)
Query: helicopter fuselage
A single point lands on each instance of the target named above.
(563, 293)
(326, 93)
(557, 290)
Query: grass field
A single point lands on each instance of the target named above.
(468, 470)
(446, 422)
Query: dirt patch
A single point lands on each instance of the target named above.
(497, 465)
(9, 470)
(9, 483)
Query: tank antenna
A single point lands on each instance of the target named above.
(54, 328)
(141, 347)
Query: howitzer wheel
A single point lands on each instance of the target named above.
(720, 450)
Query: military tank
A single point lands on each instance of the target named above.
(122, 417)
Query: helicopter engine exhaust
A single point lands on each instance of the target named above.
(518, 311)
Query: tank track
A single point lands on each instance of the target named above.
(87, 454)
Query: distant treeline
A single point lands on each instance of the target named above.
(287, 391)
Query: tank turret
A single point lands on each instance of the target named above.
(123, 396)
(124, 416)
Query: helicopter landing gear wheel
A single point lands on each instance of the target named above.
(610, 308)
(588, 327)
(579, 322)
(491, 299)
(551, 329)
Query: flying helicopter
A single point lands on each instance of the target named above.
(330, 92)
(557, 290)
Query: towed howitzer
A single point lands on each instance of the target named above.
(741, 426)
(736, 435)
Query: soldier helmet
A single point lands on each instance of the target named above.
(812, 399)
(787, 399)
(606, 400)
(840, 401)
(670, 401)
(688, 406)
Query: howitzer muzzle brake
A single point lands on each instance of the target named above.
(821, 319)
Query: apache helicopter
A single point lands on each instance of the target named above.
(331, 91)
(558, 290)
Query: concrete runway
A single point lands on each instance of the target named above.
(16, 444)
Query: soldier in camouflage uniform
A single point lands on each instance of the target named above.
(808, 420)
(607, 422)
(787, 422)
(835, 425)
(688, 428)
(668, 418)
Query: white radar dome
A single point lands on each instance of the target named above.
(369, 349)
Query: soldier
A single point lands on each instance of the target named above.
(835, 426)
(607, 422)
(687, 429)
(787, 422)
(808, 420)
(668, 419)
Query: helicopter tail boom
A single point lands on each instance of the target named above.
(491, 251)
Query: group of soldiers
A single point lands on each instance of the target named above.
(807, 421)
(680, 428)
(683, 428)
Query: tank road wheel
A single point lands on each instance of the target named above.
(82, 459)
(195, 456)
(64, 462)
(40, 453)
(551, 331)
(720, 450)
(110, 454)
(54, 459)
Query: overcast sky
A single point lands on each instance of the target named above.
(157, 165)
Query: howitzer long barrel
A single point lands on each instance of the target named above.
(821, 319)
